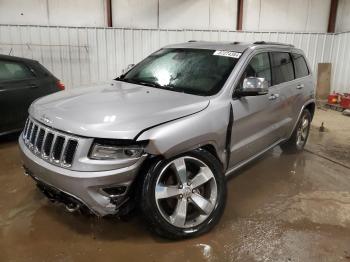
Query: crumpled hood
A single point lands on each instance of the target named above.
(116, 110)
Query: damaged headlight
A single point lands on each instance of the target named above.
(109, 151)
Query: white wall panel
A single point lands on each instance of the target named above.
(135, 13)
(53, 12)
(318, 14)
(19, 12)
(251, 15)
(343, 16)
(286, 15)
(223, 14)
(182, 14)
(83, 56)
(77, 12)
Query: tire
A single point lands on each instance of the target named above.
(297, 141)
(162, 212)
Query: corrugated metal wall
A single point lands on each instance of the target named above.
(82, 56)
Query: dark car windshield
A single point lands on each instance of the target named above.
(193, 71)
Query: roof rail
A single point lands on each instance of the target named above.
(271, 43)
(192, 41)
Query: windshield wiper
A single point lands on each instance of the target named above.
(146, 83)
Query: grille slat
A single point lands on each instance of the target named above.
(40, 140)
(33, 136)
(57, 148)
(25, 128)
(49, 144)
(70, 152)
(29, 131)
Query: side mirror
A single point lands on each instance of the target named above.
(127, 68)
(253, 86)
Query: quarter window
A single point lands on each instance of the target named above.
(282, 68)
(14, 71)
(300, 66)
(259, 66)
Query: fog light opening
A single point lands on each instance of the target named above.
(115, 191)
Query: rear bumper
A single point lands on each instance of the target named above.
(85, 187)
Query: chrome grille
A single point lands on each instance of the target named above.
(51, 145)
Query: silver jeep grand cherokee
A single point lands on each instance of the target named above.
(163, 136)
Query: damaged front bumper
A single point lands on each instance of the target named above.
(102, 192)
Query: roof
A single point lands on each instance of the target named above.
(15, 58)
(227, 46)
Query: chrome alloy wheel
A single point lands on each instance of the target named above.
(186, 192)
(303, 131)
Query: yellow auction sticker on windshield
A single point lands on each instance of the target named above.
(227, 53)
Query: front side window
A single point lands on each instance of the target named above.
(259, 66)
(282, 68)
(193, 71)
(14, 71)
(300, 65)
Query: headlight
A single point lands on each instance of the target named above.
(107, 152)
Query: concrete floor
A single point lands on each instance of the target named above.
(280, 208)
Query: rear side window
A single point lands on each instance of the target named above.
(14, 71)
(300, 65)
(282, 68)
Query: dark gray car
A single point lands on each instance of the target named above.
(21, 82)
(164, 135)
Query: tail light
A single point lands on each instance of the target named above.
(60, 85)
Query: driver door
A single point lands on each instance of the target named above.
(254, 117)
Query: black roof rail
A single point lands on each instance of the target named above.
(271, 43)
(191, 41)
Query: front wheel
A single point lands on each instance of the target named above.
(184, 196)
(297, 141)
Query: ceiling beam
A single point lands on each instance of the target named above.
(332, 16)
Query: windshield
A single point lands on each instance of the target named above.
(193, 71)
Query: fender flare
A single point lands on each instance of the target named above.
(308, 102)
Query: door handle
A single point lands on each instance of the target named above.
(274, 96)
(300, 86)
(32, 86)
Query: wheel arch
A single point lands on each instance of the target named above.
(309, 105)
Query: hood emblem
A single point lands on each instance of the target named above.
(46, 120)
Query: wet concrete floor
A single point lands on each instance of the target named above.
(282, 207)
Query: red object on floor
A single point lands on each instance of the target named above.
(345, 101)
(333, 98)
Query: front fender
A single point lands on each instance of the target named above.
(207, 127)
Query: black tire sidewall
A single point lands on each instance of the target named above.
(154, 218)
(307, 113)
(290, 146)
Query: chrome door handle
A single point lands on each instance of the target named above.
(274, 96)
(300, 86)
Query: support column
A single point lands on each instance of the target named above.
(332, 16)
(109, 13)
(239, 15)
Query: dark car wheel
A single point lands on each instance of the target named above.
(184, 196)
(297, 141)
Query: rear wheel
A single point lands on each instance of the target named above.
(297, 141)
(184, 196)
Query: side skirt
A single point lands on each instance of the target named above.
(245, 162)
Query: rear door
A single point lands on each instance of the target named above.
(18, 88)
(301, 88)
(283, 84)
(254, 117)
